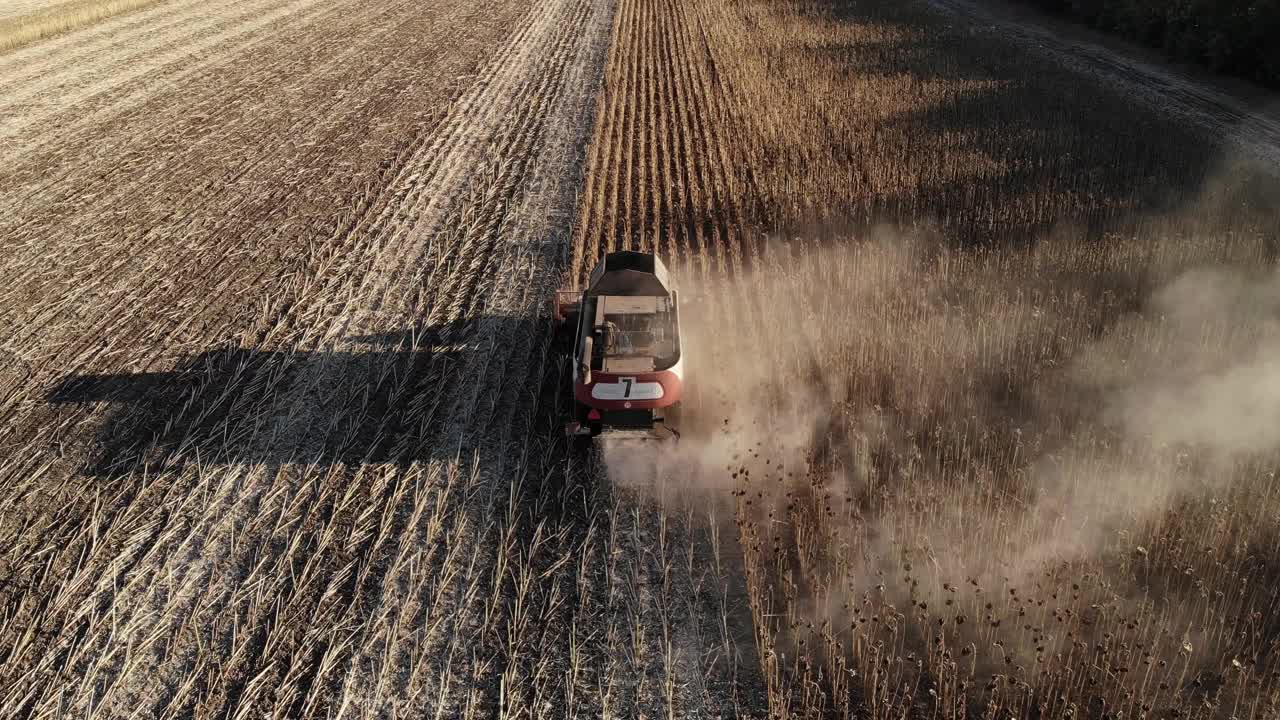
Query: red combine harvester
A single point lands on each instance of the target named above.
(623, 332)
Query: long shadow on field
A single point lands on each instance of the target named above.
(978, 136)
(377, 400)
(478, 395)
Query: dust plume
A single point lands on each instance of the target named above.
(957, 439)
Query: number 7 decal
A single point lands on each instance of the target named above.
(626, 392)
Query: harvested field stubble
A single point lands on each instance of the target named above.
(262, 462)
(985, 379)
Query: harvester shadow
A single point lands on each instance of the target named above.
(366, 402)
(385, 399)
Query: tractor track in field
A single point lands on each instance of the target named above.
(175, 549)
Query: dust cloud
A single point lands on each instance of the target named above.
(758, 383)
(999, 416)
(1216, 383)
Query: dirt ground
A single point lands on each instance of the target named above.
(279, 421)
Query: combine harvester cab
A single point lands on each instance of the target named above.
(623, 334)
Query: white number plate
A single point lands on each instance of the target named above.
(626, 388)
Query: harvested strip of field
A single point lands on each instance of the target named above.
(292, 222)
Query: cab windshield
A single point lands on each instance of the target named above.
(632, 333)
